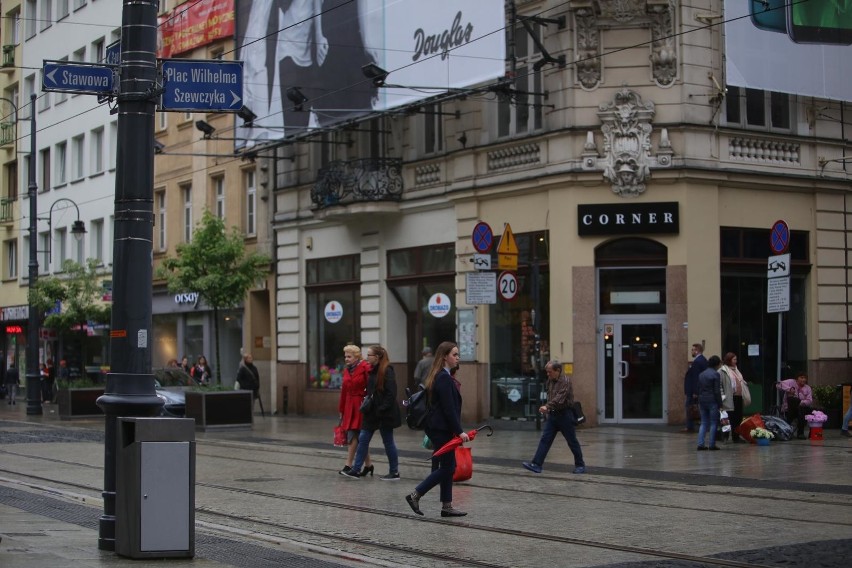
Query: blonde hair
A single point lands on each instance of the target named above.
(352, 350)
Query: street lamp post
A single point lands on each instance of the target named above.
(33, 375)
(78, 228)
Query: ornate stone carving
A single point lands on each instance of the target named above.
(622, 11)
(627, 159)
(511, 156)
(663, 50)
(588, 47)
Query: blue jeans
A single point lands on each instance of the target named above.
(443, 467)
(562, 421)
(364, 438)
(846, 418)
(709, 422)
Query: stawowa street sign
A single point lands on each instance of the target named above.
(81, 78)
(190, 85)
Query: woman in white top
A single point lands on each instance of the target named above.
(732, 391)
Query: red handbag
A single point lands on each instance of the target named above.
(464, 464)
(339, 436)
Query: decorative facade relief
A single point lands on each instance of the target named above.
(590, 16)
(512, 156)
(627, 159)
(427, 174)
(763, 150)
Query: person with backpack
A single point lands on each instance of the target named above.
(381, 413)
(443, 423)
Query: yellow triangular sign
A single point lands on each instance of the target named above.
(507, 242)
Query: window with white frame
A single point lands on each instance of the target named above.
(11, 175)
(60, 252)
(219, 192)
(61, 9)
(13, 26)
(79, 54)
(251, 202)
(44, 98)
(98, 53)
(162, 120)
(25, 252)
(160, 200)
(46, 14)
(32, 18)
(109, 239)
(433, 129)
(96, 240)
(11, 259)
(186, 191)
(44, 170)
(26, 173)
(25, 108)
(113, 143)
(60, 163)
(755, 108)
(77, 157)
(97, 155)
(522, 113)
(43, 252)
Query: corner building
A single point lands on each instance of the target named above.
(640, 176)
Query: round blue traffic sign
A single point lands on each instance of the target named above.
(482, 237)
(779, 237)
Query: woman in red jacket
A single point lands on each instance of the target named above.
(352, 393)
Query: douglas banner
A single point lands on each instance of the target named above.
(304, 58)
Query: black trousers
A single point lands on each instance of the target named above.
(736, 416)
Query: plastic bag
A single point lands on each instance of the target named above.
(724, 422)
(464, 464)
(339, 436)
(426, 443)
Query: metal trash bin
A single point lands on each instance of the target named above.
(155, 488)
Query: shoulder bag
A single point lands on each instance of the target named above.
(577, 409)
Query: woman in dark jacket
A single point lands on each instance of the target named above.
(442, 424)
(382, 415)
(249, 379)
(709, 401)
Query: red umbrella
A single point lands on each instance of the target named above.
(457, 441)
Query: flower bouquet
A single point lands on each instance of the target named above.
(762, 436)
(816, 418)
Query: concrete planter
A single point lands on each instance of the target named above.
(219, 409)
(79, 402)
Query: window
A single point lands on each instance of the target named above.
(13, 26)
(251, 202)
(77, 157)
(43, 252)
(61, 9)
(219, 191)
(11, 259)
(60, 163)
(433, 129)
(60, 253)
(333, 293)
(79, 4)
(25, 107)
(79, 55)
(97, 157)
(186, 190)
(46, 14)
(96, 240)
(758, 109)
(32, 18)
(160, 200)
(11, 171)
(44, 98)
(26, 174)
(44, 170)
(60, 97)
(113, 143)
(162, 120)
(98, 53)
(523, 113)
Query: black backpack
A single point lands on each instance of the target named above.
(418, 408)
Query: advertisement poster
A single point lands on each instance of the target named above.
(194, 24)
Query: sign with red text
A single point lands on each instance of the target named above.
(194, 24)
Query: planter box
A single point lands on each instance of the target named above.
(79, 403)
(220, 409)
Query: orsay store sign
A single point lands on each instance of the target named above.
(628, 219)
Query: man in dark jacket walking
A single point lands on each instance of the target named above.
(690, 384)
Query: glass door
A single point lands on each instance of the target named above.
(632, 355)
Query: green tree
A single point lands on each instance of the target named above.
(214, 264)
(79, 291)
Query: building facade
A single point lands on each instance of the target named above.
(640, 179)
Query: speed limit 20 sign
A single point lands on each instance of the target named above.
(507, 286)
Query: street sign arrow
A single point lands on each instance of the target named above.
(86, 78)
(207, 85)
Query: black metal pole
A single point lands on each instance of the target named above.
(537, 331)
(33, 375)
(130, 384)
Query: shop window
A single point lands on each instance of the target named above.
(520, 343)
(740, 246)
(334, 316)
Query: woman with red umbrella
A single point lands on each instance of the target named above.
(442, 424)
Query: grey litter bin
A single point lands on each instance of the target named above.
(155, 488)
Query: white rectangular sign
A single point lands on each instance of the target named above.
(778, 266)
(480, 288)
(482, 261)
(778, 295)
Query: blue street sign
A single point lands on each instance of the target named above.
(113, 53)
(190, 84)
(482, 237)
(779, 237)
(90, 78)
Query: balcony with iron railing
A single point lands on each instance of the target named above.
(9, 56)
(367, 185)
(7, 133)
(7, 211)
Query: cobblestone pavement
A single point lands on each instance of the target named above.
(271, 497)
